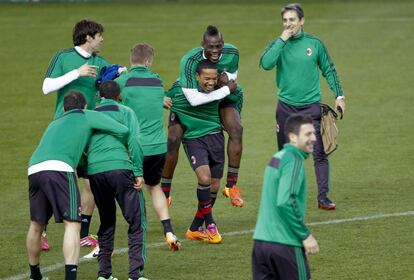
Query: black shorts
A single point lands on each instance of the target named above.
(173, 119)
(54, 192)
(207, 150)
(152, 167)
(277, 261)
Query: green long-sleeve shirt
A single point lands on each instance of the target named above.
(281, 217)
(67, 136)
(106, 152)
(297, 62)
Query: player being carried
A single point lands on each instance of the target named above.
(226, 57)
(203, 143)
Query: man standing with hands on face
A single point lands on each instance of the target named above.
(298, 57)
(281, 238)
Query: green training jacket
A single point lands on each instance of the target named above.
(281, 217)
(106, 152)
(297, 62)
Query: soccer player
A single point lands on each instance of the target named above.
(113, 174)
(52, 182)
(281, 238)
(142, 91)
(226, 56)
(298, 57)
(76, 69)
(204, 146)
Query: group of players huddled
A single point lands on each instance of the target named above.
(117, 144)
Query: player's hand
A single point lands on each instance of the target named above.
(122, 69)
(340, 106)
(167, 102)
(310, 245)
(232, 85)
(88, 70)
(139, 182)
(223, 80)
(287, 33)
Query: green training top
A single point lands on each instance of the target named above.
(66, 61)
(67, 136)
(229, 62)
(106, 152)
(197, 121)
(297, 62)
(142, 91)
(281, 217)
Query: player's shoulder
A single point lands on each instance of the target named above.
(312, 37)
(124, 108)
(101, 58)
(193, 54)
(65, 52)
(230, 47)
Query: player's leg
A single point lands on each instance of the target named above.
(216, 163)
(104, 196)
(88, 205)
(71, 248)
(283, 111)
(175, 135)
(204, 209)
(320, 160)
(33, 249)
(63, 194)
(197, 154)
(40, 213)
(230, 118)
(132, 205)
(152, 167)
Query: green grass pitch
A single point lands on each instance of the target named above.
(371, 43)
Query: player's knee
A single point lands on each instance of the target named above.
(204, 179)
(174, 142)
(235, 132)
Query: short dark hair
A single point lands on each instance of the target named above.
(205, 64)
(74, 100)
(141, 52)
(294, 122)
(212, 31)
(109, 89)
(84, 28)
(293, 7)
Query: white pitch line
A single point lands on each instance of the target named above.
(57, 266)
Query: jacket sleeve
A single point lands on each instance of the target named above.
(104, 123)
(328, 70)
(287, 199)
(271, 54)
(134, 145)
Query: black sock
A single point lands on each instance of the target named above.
(166, 224)
(35, 273)
(71, 272)
(197, 221)
(204, 202)
(232, 176)
(86, 221)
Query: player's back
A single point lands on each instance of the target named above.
(142, 91)
(64, 139)
(107, 152)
